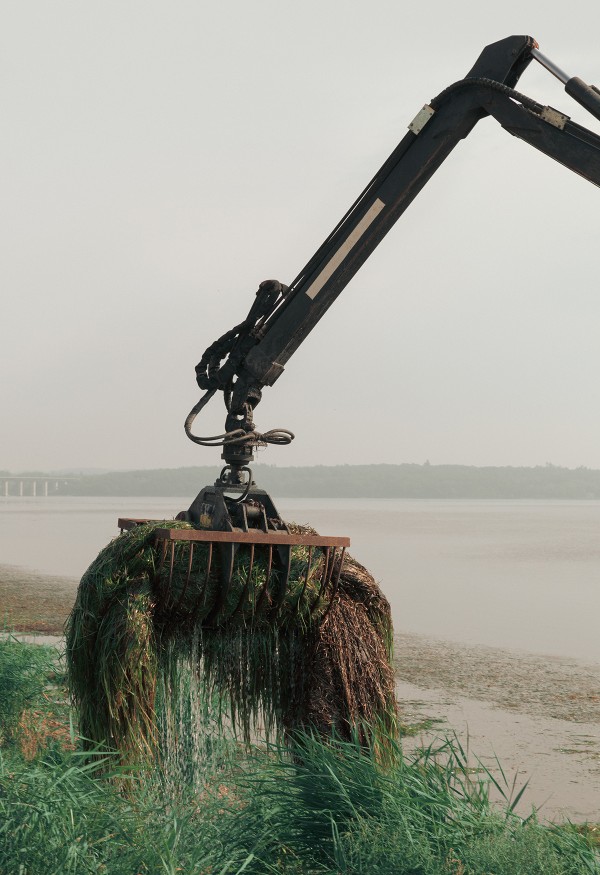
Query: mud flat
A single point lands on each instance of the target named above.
(35, 602)
(539, 716)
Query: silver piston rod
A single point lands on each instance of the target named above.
(586, 95)
(550, 66)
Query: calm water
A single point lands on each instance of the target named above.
(522, 575)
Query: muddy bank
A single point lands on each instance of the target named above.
(547, 686)
(539, 717)
(35, 602)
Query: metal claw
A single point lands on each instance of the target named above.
(227, 552)
(206, 581)
(272, 593)
(284, 561)
(246, 585)
(324, 578)
(265, 588)
(187, 579)
(305, 584)
(336, 582)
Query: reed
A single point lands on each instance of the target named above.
(127, 641)
(318, 809)
(301, 808)
(24, 673)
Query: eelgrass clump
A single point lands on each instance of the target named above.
(130, 642)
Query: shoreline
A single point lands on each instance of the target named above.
(537, 716)
(540, 715)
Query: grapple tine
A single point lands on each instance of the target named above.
(338, 573)
(246, 585)
(324, 578)
(164, 588)
(265, 588)
(165, 594)
(188, 576)
(163, 556)
(206, 580)
(335, 580)
(266, 600)
(156, 580)
(305, 584)
(281, 570)
(227, 554)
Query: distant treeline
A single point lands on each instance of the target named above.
(358, 481)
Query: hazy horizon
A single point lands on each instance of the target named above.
(87, 471)
(159, 161)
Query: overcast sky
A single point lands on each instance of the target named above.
(159, 159)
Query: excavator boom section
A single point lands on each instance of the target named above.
(487, 90)
(253, 354)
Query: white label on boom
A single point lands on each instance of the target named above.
(350, 241)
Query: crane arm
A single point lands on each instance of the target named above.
(282, 317)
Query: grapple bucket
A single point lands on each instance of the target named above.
(189, 560)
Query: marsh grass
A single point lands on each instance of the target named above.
(330, 811)
(312, 808)
(25, 672)
(333, 809)
(58, 816)
(316, 807)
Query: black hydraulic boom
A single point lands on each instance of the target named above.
(253, 354)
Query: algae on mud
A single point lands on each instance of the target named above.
(327, 669)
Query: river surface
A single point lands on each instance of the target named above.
(519, 575)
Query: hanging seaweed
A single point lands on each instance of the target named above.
(130, 642)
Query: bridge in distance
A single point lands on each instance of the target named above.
(32, 485)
